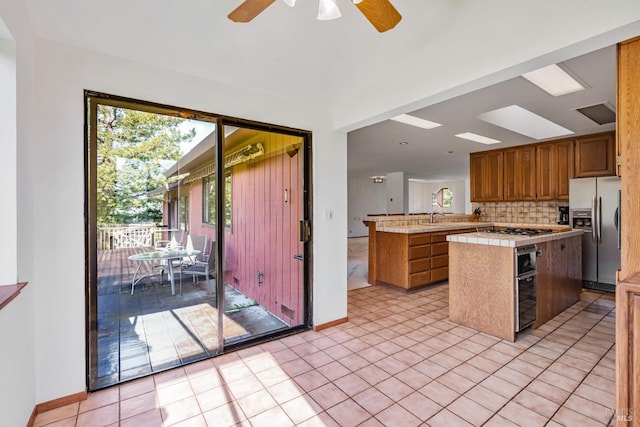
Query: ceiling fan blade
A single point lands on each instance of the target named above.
(380, 13)
(249, 10)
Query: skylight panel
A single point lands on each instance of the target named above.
(478, 138)
(415, 121)
(553, 80)
(524, 122)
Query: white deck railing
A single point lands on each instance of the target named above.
(127, 236)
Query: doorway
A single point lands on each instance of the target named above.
(175, 200)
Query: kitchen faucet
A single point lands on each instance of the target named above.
(433, 214)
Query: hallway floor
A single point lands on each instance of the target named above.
(397, 362)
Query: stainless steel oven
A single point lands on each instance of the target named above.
(525, 286)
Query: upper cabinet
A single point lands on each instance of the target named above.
(595, 155)
(486, 176)
(519, 182)
(540, 171)
(554, 169)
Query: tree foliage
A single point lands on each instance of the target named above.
(134, 148)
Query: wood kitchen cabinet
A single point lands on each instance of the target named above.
(628, 283)
(554, 169)
(409, 261)
(486, 171)
(519, 173)
(595, 155)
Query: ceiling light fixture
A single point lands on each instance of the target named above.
(378, 179)
(415, 121)
(553, 80)
(403, 143)
(524, 122)
(478, 138)
(328, 10)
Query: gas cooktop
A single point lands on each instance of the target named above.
(521, 231)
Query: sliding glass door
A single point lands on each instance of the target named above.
(197, 227)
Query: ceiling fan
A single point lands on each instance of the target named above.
(381, 13)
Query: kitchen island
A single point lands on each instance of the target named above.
(408, 252)
(483, 285)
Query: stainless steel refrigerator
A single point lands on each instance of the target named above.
(594, 206)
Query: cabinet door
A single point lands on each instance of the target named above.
(510, 165)
(565, 168)
(527, 173)
(595, 156)
(546, 171)
(494, 176)
(476, 169)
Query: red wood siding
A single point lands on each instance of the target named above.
(264, 232)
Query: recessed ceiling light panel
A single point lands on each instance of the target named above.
(553, 80)
(478, 138)
(415, 121)
(524, 122)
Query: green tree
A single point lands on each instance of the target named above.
(134, 148)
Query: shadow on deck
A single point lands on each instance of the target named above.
(152, 330)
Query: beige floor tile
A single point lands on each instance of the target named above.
(328, 395)
(596, 395)
(138, 404)
(179, 411)
(100, 398)
(500, 386)
(372, 400)
(456, 382)
(394, 388)
(301, 409)
(520, 415)
(439, 393)
(348, 413)
(413, 378)
(310, 380)
(512, 376)
(446, 418)
(398, 416)
(537, 403)
(57, 414)
(470, 411)
(147, 419)
(487, 398)
(568, 417)
(102, 416)
(588, 408)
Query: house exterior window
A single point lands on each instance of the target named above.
(183, 213)
(209, 199)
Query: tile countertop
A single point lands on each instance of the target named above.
(481, 238)
(427, 228)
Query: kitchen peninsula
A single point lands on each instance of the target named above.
(408, 251)
(497, 281)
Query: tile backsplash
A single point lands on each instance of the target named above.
(538, 212)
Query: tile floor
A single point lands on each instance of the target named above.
(397, 362)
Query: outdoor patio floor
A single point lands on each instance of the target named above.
(152, 330)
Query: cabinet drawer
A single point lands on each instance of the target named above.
(439, 261)
(439, 237)
(439, 274)
(422, 251)
(418, 279)
(440, 248)
(419, 265)
(419, 239)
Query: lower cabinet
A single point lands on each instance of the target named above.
(412, 260)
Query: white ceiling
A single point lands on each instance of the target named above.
(440, 49)
(374, 150)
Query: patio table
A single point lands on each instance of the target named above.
(167, 255)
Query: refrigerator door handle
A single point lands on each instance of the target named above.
(599, 213)
(594, 221)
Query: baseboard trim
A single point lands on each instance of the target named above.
(55, 404)
(330, 324)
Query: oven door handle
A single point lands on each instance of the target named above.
(526, 275)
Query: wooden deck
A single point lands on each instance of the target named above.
(153, 330)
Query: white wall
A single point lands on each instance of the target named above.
(51, 199)
(365, 197)
(17, 344)
(397, 193)
(420, 196)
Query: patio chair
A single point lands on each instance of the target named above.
(198, 243)
(177, 242)
(206, 268)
